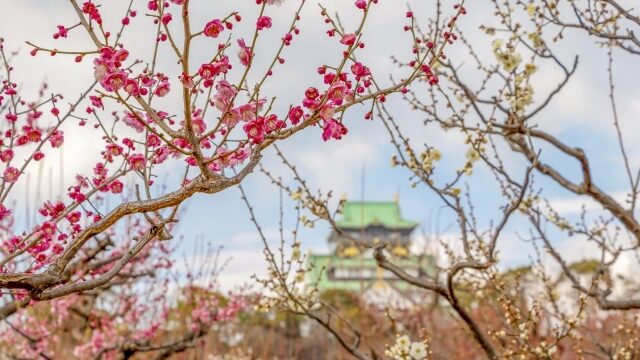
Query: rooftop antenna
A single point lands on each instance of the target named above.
(364, 164)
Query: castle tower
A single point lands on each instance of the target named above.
(350, 265)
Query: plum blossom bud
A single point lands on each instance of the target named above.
(11, 174)
(213, 28)
(264, 22)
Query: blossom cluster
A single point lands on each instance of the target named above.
(405, 349)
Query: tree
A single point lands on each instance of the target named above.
(500, 109)
(77, 249)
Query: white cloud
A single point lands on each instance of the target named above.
(336, 166)
(239, 266)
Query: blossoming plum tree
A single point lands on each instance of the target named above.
(206, 134)
(81, 247)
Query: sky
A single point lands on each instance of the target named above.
(581, 116)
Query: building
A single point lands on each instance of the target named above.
(350, 265)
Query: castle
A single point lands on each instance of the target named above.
(350, 265)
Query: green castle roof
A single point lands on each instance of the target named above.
(358, 215)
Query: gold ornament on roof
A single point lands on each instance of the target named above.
(351, 251)
(400, 251)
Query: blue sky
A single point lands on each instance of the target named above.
(581, 116)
